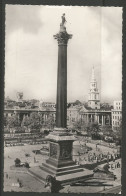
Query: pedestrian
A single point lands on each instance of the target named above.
(20, 184)
(7, 176)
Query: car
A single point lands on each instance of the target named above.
(27, 155)
(36, 151)
(45, 148)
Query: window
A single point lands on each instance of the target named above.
(113, 122)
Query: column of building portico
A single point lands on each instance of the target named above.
(96, 117)
(109, 120)
(82, 117)
(91, 117)
(103, 120)
(87, 118)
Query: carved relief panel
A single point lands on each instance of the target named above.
(66, 150)
(54, 150)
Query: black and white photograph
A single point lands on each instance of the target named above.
(63, 99)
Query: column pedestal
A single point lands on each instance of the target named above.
(60, 160)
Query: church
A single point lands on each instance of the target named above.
(91, 112)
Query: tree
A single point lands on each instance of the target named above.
(77, 124)
(77, 102)
(13, 121)
(26, 121)
(94, 129)
(35, 120)
(107, 130)
(17, 162)
(50, 121)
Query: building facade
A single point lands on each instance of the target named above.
(73, 115)
(116, 115)
(102, 117)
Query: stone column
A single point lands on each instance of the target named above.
(61, 102)
(87, 118)
(102, 120)
(98, 118)
(91, 117)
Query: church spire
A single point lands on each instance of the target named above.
(93, 101)
(93, 74)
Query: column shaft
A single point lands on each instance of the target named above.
(61, 106)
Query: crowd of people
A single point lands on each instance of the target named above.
(95, 156)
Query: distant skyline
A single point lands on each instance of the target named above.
(31, 53)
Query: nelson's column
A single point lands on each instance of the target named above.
(60, 162)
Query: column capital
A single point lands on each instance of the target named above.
(62, 37)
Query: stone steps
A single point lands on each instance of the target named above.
(62, 172)
(75, 177)
(60, 169)
(63, 179)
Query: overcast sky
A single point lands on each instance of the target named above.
(32, 53)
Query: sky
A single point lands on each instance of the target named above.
(31, 52)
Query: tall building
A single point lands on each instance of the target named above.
(93, 100)
(116, 115)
